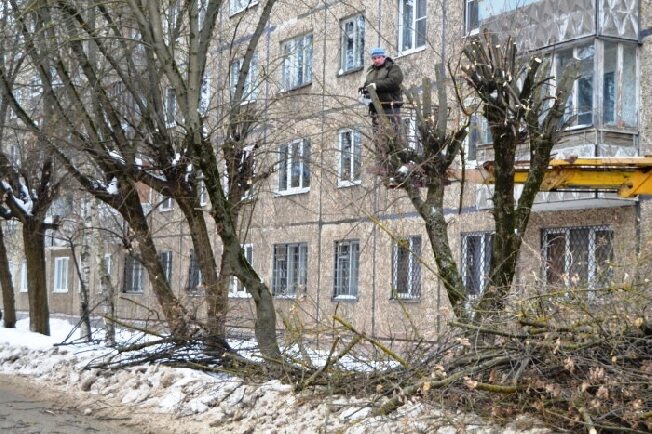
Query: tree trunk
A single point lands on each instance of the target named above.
(34, 244)
(8, 302)
(216, 295)
(174, 312)
(431, 211)
(84, 273)
(107, 288)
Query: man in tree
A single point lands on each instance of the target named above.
(385, 78)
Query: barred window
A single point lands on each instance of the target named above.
(476, 261)
(290, 269)
(406, 268)
(578, 256)
(345, 277)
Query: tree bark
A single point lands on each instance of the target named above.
(8, 302)
(34, 245)
(107, 288)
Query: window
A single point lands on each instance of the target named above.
(406, 268)
(412, 25)
(203, 194)
(170, 107)
(236, 288)
(350, 157)
(294, 167)
(410, 132)
(619, 93)
(60, 275)
(23, 277)
(134, 275)
(578, 257)
(479, 134)
(166, 204)
(297, 62)
(250, 85)
(579, 108)
(476, 261)
(289, 269)
(14, 155)
(166, 261)
(471, 17)
(345, 277)
(194, 273)
(205, 94)
(240, 5)
(352, 44)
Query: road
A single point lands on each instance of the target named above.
(25, 409)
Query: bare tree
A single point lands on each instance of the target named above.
(522, 109)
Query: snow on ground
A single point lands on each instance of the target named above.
(180, 400)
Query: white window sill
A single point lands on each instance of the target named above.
(241, 296)
(292, 191)
(237, 11)
(285, 296)
(345, 184)
(165, 209)
(23, 290)
(133, 292)
(411, 51)
(345, 298)
(60, 291)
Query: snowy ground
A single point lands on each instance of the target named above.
(179, 400)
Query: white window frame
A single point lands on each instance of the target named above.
(137, 277)
(294, 263)
(60, 274)
(471, 7)
(166, 258)
(591, 253)
(294, 156)
(485, 239)
(412, 245)
(346, 266)
(250, 92)
(412, 26)
(170, 107)
(296, 68)
(352, 44)
(205, 94)
(573, 98)
(354, 156)
(236, 288)
(167, 203)
(193, 266)
(23, 277)
(479, 134)
(620, 99)
(237, 6)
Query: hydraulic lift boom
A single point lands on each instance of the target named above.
(629, 176)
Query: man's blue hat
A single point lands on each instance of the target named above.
(378, 51)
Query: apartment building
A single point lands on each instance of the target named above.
(319, 227)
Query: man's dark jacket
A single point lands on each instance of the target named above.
(388, 78)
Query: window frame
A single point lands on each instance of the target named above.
(286, 163)
(250, 93)
(358, 45)
(300, 271)
(167, 203)
(237, 288)
(355, 143)
(566, 280)
(471, 6)
(236, 6)
(413, 27)
(483, 269)
(293, 76)
(346, 287)
(23, 277)
(137, 270)
(195, 279)
(60, 274)
(413, 279)
(166, 258)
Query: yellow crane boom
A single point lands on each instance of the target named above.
(629, 176)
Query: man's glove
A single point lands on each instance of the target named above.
(371, 86)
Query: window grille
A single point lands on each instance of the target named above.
(578, 257)
(345, 279)
(290, 269)
(406, 268)
(476, 261)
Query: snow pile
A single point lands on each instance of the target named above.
(203, 402)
